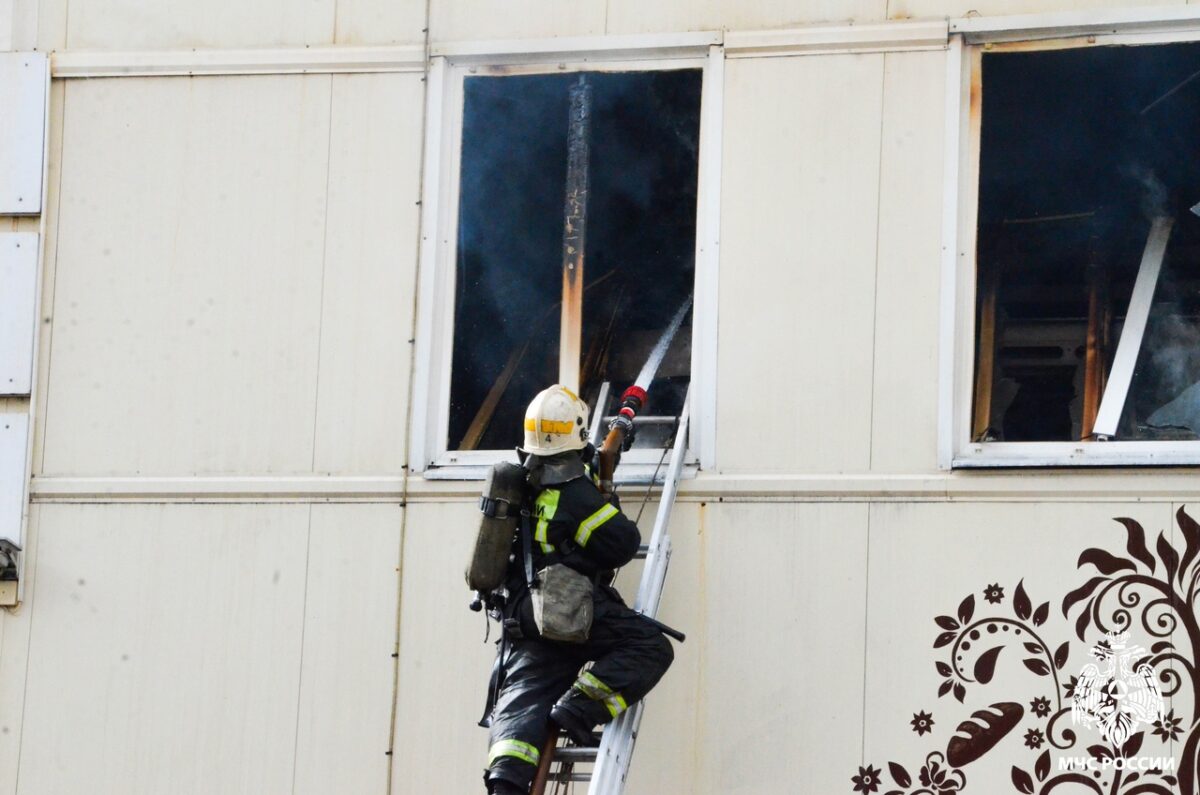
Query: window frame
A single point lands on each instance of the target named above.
(970, 39)
(449, 66)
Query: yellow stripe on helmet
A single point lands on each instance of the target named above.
(550, 426)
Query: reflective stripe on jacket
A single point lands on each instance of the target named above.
(576, 511)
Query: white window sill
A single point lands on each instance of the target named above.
(628, 474)
(1076, 454)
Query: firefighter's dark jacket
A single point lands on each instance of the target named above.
(573, 523)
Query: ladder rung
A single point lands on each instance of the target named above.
(643, 550)
(649, 419)
(574, 755)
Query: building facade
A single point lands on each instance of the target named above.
(244, 490)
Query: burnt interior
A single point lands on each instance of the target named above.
(639, 255)
(1081, 149)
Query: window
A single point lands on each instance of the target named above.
(1085, 314)
(546, 170)
(635, 176)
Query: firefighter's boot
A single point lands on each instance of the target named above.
(574, 724)
(578, 717)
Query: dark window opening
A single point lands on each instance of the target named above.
(639, 252)
(1086, 326)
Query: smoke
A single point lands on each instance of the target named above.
(1164, 388)
(1173, 345)
(1154, 200)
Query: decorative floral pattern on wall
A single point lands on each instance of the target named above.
(1132, 590)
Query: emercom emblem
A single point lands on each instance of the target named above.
(1119, 693)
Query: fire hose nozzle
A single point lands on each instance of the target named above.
(623, 422)
(634, 397)
(633, 400)
(621, 431)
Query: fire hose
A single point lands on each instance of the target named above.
(633, 400)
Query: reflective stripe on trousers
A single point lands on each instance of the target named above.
(596, 690)
(521, 750)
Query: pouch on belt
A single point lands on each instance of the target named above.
(562, 604)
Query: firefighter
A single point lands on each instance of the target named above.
(540, 681)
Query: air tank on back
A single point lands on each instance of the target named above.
(500, 506)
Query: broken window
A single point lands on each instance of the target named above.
(1088, 246)
(551, 162)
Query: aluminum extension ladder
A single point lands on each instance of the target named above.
(609, 764)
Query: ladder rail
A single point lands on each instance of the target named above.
(616, 746)
(598, 415)
(658, 551)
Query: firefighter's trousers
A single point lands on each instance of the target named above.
(629, 656)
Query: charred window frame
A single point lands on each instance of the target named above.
(431, 448)
(1113, 260)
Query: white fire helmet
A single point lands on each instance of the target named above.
(556, 421)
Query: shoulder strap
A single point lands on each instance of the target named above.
(527, 547)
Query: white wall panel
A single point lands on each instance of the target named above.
(925, 560)
(904, 408)
(25, 15)
(779, 699)
(23, 85)
(632, 16)
(49, 23)
(665, 758)
(188, 276)
(349, 635)
(12, 701)
(172, 24)
(799, 203)
(370, 273)
(14, 450)
(6, 25)
(380, 21)
(18, 299)
(444, 663)
(904, 9)
(514, 19)
(166, 652)
(15, 627)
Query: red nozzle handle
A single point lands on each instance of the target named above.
(634, 393)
